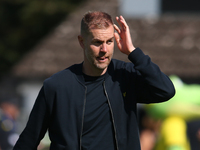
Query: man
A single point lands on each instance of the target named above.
(92, 105)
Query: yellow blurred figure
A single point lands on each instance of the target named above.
(173, 135)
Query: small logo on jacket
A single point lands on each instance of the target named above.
(124, 94)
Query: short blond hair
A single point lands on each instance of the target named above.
(95, 20)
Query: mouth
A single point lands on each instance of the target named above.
(102, 59)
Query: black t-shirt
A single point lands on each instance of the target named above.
(98, 131)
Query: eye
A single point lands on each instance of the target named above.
(109, 42)
(97, 42)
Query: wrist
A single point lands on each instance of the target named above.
(136, 55)
(131, 50)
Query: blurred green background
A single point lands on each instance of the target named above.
(23, 23)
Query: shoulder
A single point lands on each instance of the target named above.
(119, 64)
(64, 76)
(121, 71)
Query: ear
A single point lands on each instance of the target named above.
(80, 39)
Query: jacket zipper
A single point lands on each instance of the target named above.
(83, 117)
(113, 121)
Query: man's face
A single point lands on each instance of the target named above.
(98, 49)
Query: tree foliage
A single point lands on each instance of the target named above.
(23, 23)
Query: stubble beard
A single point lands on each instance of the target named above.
(93, 62)
(96, 64)
(101, 65)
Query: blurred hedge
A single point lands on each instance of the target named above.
(23, 23)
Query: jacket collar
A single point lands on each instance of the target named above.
(77, 70)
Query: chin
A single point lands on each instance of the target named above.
(102, 66)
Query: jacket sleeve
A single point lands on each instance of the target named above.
(153, 86)
(36, 126)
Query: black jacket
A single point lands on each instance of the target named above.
(59, 106)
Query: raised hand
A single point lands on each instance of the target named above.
(123, 37)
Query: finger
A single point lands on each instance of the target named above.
(119, 22)
(117, 28)
(117, 39)
(123, 23)
(122, 18)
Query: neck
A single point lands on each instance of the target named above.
(93, 71)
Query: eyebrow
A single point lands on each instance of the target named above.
(96, 39)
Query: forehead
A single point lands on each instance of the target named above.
(102, 34)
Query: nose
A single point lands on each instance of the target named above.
(103, 48)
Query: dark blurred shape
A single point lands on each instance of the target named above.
(181, 6)
(193, 132)
(25, 23)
